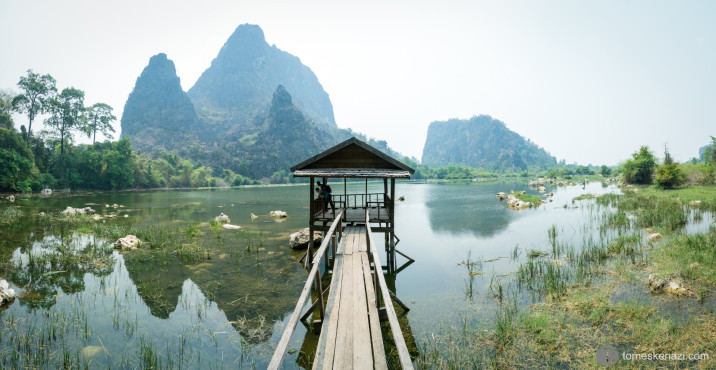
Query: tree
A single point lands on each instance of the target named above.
(16, 162)
(605, 170)
(640, 168)
(709, 156)
(6, 98)
(37, 90)
(99, 118)
(669, 175)
(66, 113)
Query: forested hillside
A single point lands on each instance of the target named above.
(482, 142)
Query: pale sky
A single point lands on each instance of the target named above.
(589, 81)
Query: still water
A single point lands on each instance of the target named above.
(229, 308)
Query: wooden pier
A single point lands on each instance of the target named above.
(350, 337)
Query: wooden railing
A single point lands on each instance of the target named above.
(314, 275)
(360, 200)
(380, 286)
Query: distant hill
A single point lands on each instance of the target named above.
(158, 113)
(255, 111)
(241, 80)
(482, 142)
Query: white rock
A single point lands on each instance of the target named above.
(222, 218)
(6, 294)
(253, 216)
(129, 242)
(69, 211)
(231, 227)
(299, 239)
(280, 214)
(654, 237)
(11, 198)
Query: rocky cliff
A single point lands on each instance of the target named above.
(482, 142)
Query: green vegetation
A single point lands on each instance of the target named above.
(528, 198)
(584, 293)
(640, 168)
(482, 142)
(669, 175)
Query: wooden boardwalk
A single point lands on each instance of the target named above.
(351, 336)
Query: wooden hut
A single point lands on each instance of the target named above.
(353, 159)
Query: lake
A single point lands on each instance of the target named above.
(223, 297)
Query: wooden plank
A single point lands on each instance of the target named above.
(327, 339)
(403, 354)
(343, 358)
(376, 334)
(361, 242)
(350, 242)
(362, 353)
(280, 351)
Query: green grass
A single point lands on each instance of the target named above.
(585, 196)
(528, 198)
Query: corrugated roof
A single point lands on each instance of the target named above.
(353, 173)
(352, 154)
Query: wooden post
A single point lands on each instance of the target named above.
(311, 206)
(320, 295)
(345, 193)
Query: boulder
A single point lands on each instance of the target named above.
(253, 216)
(401, 198)
(501, 195)
(280, 214)
(222, 218)
(129, 242)
(656, 284)
(513, 202)
(655, 237)
(69, 211)
(6, 294)
(231, 227)
(11, 198)
(41, 214)
(541, 189)
(299, 239)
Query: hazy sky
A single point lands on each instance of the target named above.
(590, 81)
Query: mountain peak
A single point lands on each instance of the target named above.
(243, 77)
(246, 34)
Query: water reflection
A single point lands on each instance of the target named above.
(469, 209)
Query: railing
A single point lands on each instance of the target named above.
(379, 282)
(360, 200)
(305, 294)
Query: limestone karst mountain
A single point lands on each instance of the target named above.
(482, 142)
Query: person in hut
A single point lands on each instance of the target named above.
(327, 198)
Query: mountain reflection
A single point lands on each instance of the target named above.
(458, 209)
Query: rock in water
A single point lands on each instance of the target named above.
(654, 237)
(222, 218)
(6, 294)
(129, 242)
(280, 214)
(231, 227)
(299, 239)
(69, 211)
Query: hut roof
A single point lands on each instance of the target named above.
(352, 158)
